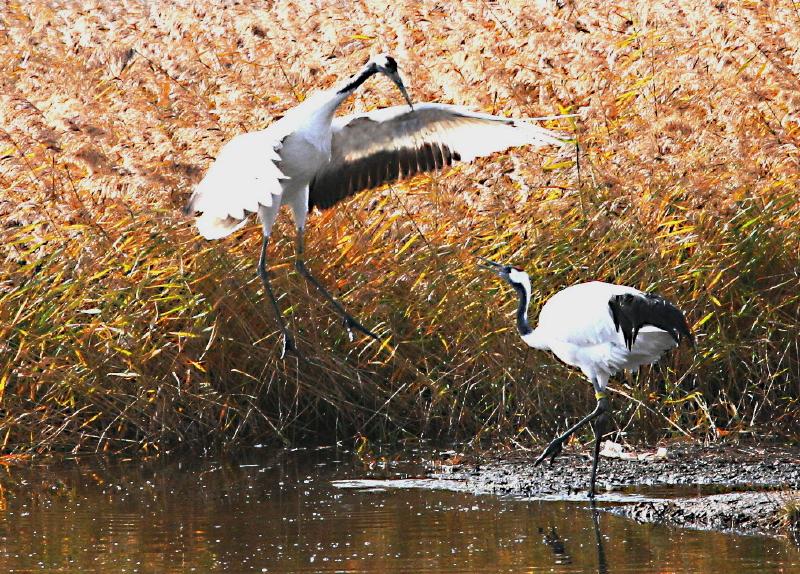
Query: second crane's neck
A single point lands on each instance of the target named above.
(528, 334)
(522, 309)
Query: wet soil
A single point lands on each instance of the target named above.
(726, 487)
(748, 512)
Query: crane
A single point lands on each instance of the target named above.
(310, 159)
(600, 328)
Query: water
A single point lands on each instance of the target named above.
(281, 512)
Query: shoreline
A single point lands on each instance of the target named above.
(745, 489)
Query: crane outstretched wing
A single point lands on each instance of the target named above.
(243, 176)
(382, 146)
(631, 312)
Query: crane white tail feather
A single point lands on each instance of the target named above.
(650, 345)
(211, 227)
(243, 176)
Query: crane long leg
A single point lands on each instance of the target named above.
(599, 427)
(554, 448)
(263, 273)
(350, 322)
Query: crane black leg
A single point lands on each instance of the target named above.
(263, 273)
(350, 322)
(599, 427)
(554, 448)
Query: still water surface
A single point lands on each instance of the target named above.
(281, 512)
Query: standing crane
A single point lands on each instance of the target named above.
(601, 328)
(310, 159)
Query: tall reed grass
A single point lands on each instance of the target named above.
(122, 331)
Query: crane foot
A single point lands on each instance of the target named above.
(552, 450)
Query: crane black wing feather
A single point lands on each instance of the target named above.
(383, 146)
(356, 166)
(631, 312)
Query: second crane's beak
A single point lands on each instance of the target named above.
(398, 81)
(501, 270)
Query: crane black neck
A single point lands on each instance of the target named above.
(522, 310)
(358, 79)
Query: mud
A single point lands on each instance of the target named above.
(723, 487)
(746, 512)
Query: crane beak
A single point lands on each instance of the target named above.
(398, 81)
(501, 270)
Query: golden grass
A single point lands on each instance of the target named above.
(121, 330)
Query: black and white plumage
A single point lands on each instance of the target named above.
(373, 148)
(600, 328)
(310, 159)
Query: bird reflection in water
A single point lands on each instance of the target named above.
(602, 565)
(559, 548)
(556, 544)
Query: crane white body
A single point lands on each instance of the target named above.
(245, 177)
(576, 325)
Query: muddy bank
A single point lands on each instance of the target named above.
(749, 512)
(723, 487)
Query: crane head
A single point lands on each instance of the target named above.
(387, 66)
(518, 278)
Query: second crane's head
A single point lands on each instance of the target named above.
(518, 278)
(386, 65)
